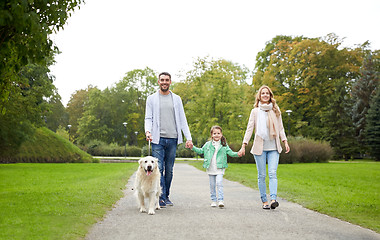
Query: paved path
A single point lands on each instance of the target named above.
(191, 217)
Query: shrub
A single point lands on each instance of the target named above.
(98, 148)
(183, 152)
(302, 150)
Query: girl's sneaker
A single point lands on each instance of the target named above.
(221, 204)
(213, 204)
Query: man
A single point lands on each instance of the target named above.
(164, 120)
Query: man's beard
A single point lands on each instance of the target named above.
(164, 90)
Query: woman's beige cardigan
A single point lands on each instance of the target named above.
(258, 142)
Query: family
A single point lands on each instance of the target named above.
(165, 121)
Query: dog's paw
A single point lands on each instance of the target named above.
(143, 210)
(158, 207)
(151, 212)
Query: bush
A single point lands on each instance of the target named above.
(247, 158)
(183, 152)
(302, 150)
(98, 148)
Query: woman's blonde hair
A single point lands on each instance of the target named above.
(271, 100)
(223, 140)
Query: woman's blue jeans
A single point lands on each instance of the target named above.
(165, 151)
(273, 158)
(216, 181)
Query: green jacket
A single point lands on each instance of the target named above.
(221, 157)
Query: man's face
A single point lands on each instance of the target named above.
(164, 83)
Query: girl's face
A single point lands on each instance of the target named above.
(216, 134)
(265, 96)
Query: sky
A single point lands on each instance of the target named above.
(103, 40)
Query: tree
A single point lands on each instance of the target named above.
(26, 107)
(362, 91)
(25, 27)
(57, 114)
(214, 93)
(338, 127)
(76, 107)
(303, 73)
(373, 125)
(105, 111)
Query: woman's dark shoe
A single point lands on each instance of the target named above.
(274, 204)
(266, 206)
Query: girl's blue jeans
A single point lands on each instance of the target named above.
(216, 181)
(273, 158)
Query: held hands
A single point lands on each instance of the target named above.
(189, 144)
(241, 151)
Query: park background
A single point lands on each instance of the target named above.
(331, 89)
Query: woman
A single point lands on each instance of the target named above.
(266, 119)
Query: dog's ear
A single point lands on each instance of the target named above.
(140, 161)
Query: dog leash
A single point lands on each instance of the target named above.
(149, 148)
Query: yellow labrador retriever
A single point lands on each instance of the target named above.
(147, 184)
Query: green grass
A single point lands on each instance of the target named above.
(57, 201)
(346, 190)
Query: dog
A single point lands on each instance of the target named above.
(147, 184)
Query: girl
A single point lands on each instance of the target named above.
(215, 161)
(266, 119)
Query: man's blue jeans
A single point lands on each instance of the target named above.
(273, 158)
(165, 151)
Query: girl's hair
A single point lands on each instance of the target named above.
(271, 100)
(222, 139)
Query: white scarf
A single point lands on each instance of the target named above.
(262, 128)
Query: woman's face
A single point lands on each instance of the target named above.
(265, 96)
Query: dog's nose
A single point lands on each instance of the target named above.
(149, 168)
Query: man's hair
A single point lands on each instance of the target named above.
(165, 73)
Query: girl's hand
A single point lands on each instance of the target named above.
(241, 151)
(287, 148)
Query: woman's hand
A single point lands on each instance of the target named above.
(242, 151)
(287, 148)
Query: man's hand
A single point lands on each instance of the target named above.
(148, 136)
(189, 144)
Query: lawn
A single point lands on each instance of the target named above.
(57, 201)
(349, 191)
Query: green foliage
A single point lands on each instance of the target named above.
(57, 114)
(304, 150)
(105, 111)
(58, 201)
(214, 93)
(302, 74)
(26, 107)
(362, 90)
(75, 109)
(47, 147)
(337, 122)
(25, 27)
(373, 126)
(183, 152)
(98, 148)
